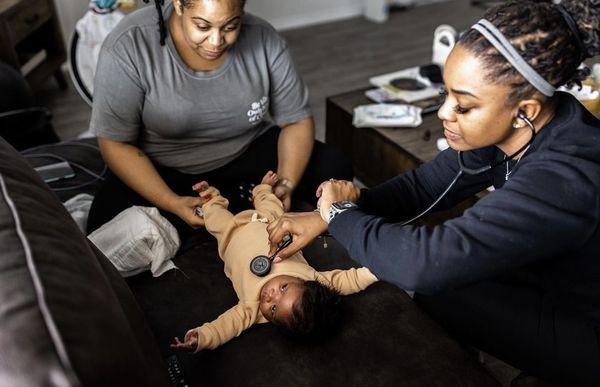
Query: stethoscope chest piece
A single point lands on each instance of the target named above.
(260, 265)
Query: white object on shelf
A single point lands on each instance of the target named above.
(376, 10)
(444, 39)
(381, 95)
(387, 115)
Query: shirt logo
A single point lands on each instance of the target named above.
(258, 110)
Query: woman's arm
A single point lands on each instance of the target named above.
(527, 220)
(134, 168)
(396, 199)
(294, 149)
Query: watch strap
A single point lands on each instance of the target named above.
(283, 182)
(337, 208)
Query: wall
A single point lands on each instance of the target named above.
(281, 13)
(285, 14)
(69, 12)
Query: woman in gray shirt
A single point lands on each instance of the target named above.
(212, 94)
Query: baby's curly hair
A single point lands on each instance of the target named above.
(543, 38)
(317, 313)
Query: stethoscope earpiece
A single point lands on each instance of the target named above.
(464, 170)
(521, 114)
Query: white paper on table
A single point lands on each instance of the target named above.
(387, 115)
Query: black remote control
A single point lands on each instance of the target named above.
(175, 372)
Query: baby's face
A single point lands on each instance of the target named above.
(278, 297)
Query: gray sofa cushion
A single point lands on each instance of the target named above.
(61, 320)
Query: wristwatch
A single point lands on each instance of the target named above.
(339, 207)
(285, 183)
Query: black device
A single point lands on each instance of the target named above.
(261, 265)
(432, 72)
(175, 372)
(409, 84)
(55, 171)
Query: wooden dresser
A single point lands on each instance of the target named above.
(31, 41)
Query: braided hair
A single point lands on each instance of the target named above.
(161, 20)
(542, 36)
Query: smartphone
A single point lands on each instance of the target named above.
(55, 171)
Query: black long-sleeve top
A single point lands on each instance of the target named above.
(544, 217)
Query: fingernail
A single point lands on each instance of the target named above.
(277, 260)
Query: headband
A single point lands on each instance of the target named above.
(572, 24)
(497, 39)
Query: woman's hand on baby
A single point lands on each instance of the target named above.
(302, 226)
(332, 191)
(205, 191)
(189, 343)
(185, 208)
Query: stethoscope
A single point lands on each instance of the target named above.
(261, 265)
(464, 170)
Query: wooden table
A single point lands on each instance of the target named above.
(379, 154)
(29, 29)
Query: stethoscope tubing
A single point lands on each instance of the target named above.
(463, 170)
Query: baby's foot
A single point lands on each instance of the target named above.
(270, 178)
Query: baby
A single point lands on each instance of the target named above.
(293, 295)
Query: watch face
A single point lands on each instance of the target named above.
(344, 205)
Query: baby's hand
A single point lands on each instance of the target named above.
(199, 187)
(189, 344)
(205, 191)
(270, 178)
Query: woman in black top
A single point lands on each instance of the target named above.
(518, 274)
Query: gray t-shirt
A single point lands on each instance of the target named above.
(195, 122)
